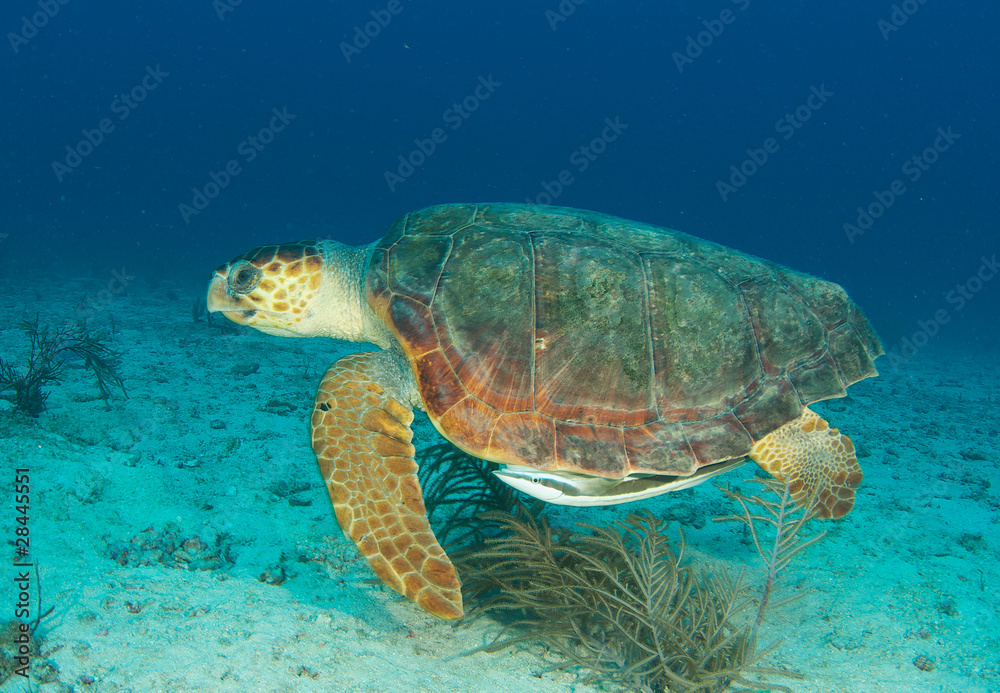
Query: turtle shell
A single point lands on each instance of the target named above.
(569, 340)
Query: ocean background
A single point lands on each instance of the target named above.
(143, 144)
(560, 78)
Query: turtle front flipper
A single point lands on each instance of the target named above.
(361, 436)
(813, 459)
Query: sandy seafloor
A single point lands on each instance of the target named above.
(912, 571)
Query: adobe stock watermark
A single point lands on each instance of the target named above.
(697, 44)
(899, 16)
(365, 33)
(786, 126)
(30, 26)
(913, 169)
(454, 116)
(959, 297)
(580, 159)
(224, 7)
(564, 10)
(92, 304)
(121, 107)
(248, 150)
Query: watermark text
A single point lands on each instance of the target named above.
(912, 169)
(122, 107)
(248, 150)
(453, 117)
(580, 160)
(786, 126)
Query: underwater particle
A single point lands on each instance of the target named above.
(924, 663)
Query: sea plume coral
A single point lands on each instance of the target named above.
(47, 358)
(619, 601)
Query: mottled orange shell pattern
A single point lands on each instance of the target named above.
(570, 340)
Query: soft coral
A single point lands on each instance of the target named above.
(46, 361)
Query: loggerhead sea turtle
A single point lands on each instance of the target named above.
(576, 344)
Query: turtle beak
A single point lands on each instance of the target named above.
(233, 307)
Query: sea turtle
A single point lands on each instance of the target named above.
(575, 344)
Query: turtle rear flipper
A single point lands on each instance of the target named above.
(361, 436)
(814, 460)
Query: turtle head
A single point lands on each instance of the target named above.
(306, 289)
(274, 288)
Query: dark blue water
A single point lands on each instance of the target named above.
(310, 110)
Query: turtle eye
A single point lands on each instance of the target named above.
(244, 277)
